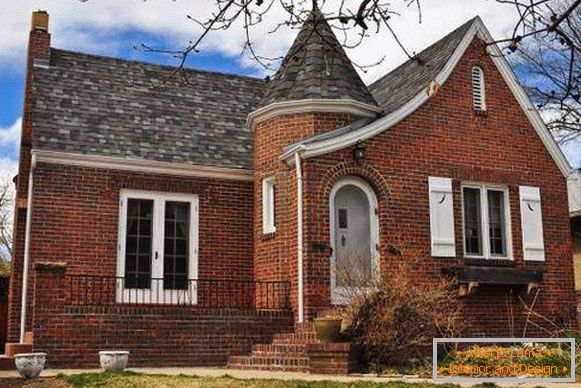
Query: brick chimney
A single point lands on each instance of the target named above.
(38, 55)
(39, 41)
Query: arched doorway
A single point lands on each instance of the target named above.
(354, 238)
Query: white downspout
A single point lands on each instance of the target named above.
(26, 250)
(300, 234)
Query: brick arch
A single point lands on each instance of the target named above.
(364, 171)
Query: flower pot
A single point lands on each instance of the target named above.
(113, 360)
(29, 365)
(327, 329)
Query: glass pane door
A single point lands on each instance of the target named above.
(176, 245)
(138, 243)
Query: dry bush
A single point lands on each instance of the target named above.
(395, 317)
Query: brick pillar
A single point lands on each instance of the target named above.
(49, 295)
(38, 50)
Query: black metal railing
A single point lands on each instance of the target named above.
(96, 290)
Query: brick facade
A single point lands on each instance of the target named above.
(275, 254)
(76, 215)
(445, 137)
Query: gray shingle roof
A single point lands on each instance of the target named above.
(399, 86)
(104, 106)
(96, 105)
(316, 66)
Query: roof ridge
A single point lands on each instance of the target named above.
(157, 65)
(415, 57)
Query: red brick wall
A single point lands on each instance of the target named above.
(275, 254)
(154, 335)
(445, 137)
(76, 213)
(38, 48)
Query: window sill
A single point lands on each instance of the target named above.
(268, 236)
(480, 112)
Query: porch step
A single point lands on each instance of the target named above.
(287, 352)
(263, 362)
(279, 348)
(305, 337)
(6, 363)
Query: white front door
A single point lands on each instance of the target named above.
(158, 248)
(354, 239)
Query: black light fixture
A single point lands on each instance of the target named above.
(359, 151)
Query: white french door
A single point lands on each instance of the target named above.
(157, 248)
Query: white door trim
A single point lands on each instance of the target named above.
(338, 294)
(150, 296)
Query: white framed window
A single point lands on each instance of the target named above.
(486, 221)
(478, 89)
(157, 258)
(268, 205)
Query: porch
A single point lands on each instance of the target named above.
(201, 324)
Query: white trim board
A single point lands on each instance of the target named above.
(311, 105)
(476, 29)
(142, 165)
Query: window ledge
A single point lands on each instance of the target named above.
(268, 236)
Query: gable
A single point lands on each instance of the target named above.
(341, 138)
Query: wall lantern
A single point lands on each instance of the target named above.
(359, 151)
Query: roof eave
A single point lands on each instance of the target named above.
(312, 105)
(476, 29)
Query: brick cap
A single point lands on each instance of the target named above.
(55, 266)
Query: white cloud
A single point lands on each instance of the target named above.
(10, 136)
(92, 26)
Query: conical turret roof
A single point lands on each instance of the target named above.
(316, 67)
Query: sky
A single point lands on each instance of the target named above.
(118, 28)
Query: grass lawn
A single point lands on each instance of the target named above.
(137, 380)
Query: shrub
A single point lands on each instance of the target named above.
(394, 319)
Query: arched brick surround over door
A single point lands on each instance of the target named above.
(319, 182)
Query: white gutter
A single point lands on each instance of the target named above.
(300, 234)
(26, 250)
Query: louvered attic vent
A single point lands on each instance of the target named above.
(478, 93)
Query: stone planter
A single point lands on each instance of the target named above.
(327, 329)
(113, 360)
(29, 365)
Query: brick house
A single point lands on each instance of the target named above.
(197, 221)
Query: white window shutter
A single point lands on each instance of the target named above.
(532, 223)
(442, 217)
